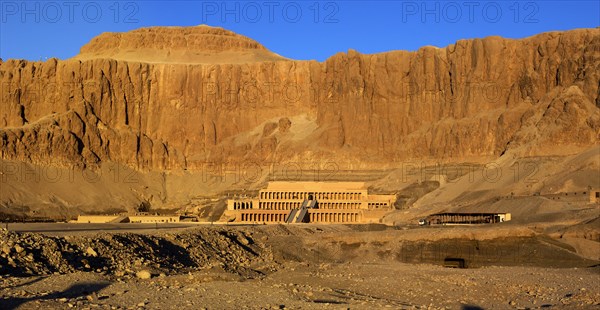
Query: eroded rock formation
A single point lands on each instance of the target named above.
(172, 98)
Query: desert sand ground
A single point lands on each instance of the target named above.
(323, 286)
(298, 267)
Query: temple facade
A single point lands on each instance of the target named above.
(311, 202)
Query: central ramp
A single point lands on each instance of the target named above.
(299, 215)
(292, 216)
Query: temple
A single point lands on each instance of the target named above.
(311, 202)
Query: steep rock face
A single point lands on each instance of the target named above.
(474, 99)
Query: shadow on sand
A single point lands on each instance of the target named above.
(77, 290)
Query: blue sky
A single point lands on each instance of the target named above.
(36, 30)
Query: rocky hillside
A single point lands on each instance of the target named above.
(124, 255)
(149, 116)
(479, 98)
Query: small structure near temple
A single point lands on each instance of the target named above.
(465, 218)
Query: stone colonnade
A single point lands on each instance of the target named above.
(285, 195)
(335, 217)
(263, 217)
(315, 217)
(242, 205)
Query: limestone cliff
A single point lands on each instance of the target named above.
(172, 98)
